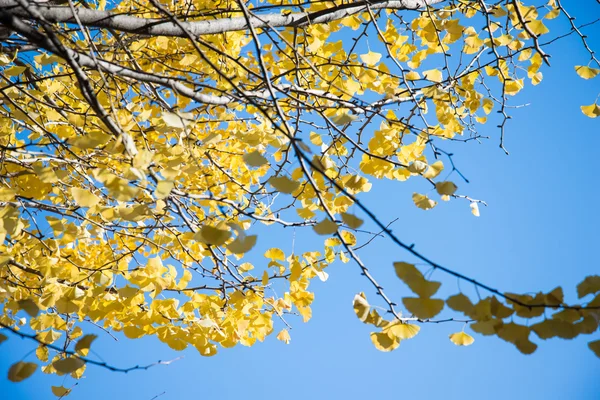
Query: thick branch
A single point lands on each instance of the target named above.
(161, 27)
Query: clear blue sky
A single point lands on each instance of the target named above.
(539, 231)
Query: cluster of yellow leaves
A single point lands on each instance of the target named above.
(489, 315)
(392, 332)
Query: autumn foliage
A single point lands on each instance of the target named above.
(148, 147)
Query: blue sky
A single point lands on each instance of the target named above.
(539, 231)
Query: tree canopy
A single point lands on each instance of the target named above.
(148, 147)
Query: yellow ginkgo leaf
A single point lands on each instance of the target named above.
(275, 254)
(68, 365)
(403, 330)
(211, 235)
(417, 167)
(283, 184)
(163, 189)
(595, 347)
(3, 338)
(384, 342)
(265, 278)
(526, 346)
(371, 58)
(423, 202)
(499, 310)
(513, 333)
(284, 336)
(488, 327)
(21, 370)
(375, 319)
(343, 119)
(412, 76)
(29, 306)
(512, 87)
(488, 105)
(84, 198)
(433, 75)
(460, 302)
(446, 188)
(592, 111)
(254, 159)
(587, 72)
(60, 391)
(351, 220)
(8, 194)
(325, 227)
(83, 345)
(552, 14)
(590, 285)
(242, 245)
(415, 280)
(461, 339)
(423, 308)
(434, 170)
(537, 27)
(361, 307)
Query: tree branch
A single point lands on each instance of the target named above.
(161, 27)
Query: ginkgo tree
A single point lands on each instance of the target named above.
(147, 146)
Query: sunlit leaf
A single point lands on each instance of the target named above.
(461, 339)
(587, 72)
(403, 330)
(361, 307)
(423, 202)
(384, 342)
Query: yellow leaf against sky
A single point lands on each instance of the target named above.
(446, 188)
(370, 58)
(461, 339)
(592, 111)
(361, 307)
(60, 391)
(68, 365)
(384, 342)
(403, 330)
(595, 347)
(326, 227)
(284, 336)
(352, 221)
(415, 280)
(587, 72)
(433, 75)
(434, 170)
(21, 370)
(423, 308)
(590, 285)
(423, 202)
(83, 345)
(283, 184)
